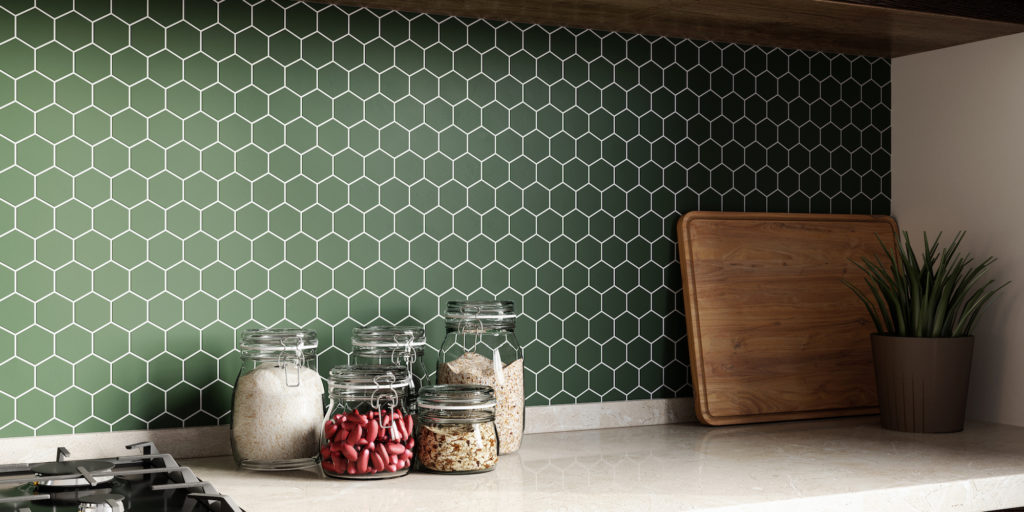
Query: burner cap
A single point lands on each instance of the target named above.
(70, 467)
(101, 503)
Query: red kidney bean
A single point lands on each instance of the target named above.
(367, 443)
(349, 452)
(355, 435)
(372, 429)
(364, 459)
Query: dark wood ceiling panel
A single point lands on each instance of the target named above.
(805, 24)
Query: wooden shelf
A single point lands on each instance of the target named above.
(865, 27)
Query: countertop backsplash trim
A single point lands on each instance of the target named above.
(214, 441)
(171, 173)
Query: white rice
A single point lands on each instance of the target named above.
(272, 421)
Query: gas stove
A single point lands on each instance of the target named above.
(147, 482)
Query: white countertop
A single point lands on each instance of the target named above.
(846, 464)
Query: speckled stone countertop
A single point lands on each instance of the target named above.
(846, 464)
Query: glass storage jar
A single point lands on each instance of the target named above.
(400, 345)
(368, 430)
(480, 347)
(456, 432)
(278, 401)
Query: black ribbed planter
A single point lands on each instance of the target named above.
(922, 382)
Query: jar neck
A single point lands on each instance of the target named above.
(379, 352)
(290, 356)
(374, 397)
(444, 416)
(479, 326)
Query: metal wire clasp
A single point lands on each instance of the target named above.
(291, 356)
(385, 396)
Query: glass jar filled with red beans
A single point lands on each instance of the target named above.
(368, 430)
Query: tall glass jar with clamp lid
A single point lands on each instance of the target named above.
(480, 347)
(278, 401)
(368, 430)
(400, 345)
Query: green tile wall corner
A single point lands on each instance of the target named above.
(169, 175)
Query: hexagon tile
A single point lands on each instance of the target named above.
(172, 172)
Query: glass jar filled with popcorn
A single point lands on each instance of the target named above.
(456, 432)
(480, 347)
(278, 400)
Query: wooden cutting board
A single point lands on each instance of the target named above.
(773, 332)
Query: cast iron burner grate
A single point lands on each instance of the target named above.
(149, 482)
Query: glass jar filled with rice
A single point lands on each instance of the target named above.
(480, 347)
(278, 400)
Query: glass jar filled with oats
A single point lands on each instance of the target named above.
(480, 347)
(456, 432)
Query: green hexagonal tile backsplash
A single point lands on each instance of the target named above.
(167, 179)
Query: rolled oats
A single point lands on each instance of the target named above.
(473, 368)
(457, 447)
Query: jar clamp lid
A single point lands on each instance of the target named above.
(369, 377)
(500, 310)
(388, 337)
(457, 397)
(269, 340)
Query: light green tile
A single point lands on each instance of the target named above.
(92, 374)
(20, 377)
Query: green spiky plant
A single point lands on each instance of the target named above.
(935, 297)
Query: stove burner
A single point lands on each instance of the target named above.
(102, 503)
(150, 482)
(86, 468)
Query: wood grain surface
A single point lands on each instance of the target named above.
(773, 332)
(801, 24)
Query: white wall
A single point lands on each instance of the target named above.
(958, 164)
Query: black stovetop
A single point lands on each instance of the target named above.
(148, 482)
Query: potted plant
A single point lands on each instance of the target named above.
(924, 310)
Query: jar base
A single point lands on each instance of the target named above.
(277, 465)
(424, 469)
(373, 476)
